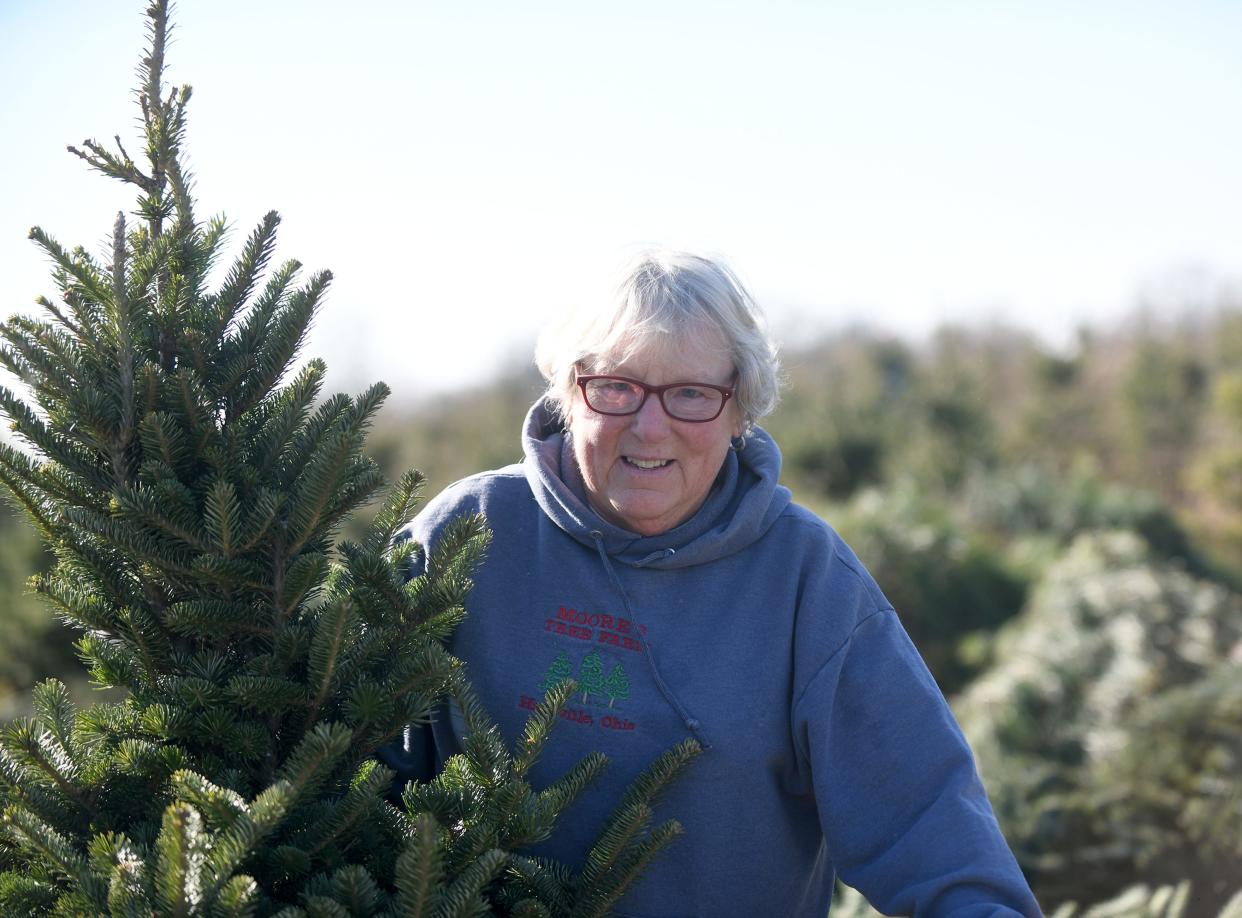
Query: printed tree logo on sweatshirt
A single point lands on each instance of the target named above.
(560, 669)
(617, 685)
(591, 675)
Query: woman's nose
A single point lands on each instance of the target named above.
(651, 420)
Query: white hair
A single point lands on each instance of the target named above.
(667, 298)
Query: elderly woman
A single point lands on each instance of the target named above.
(645, 548)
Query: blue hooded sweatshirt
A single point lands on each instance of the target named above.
(828, 748)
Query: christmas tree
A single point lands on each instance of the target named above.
(558, 669)
(591, 675)
(617, 685)
(193, 501)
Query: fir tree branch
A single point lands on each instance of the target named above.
(364, 794)
(51, 307)
(109, 164)
(419, 870)
(244, 274)
(150, 98)
(334, 625)
(122, 463)
(40, 750)
(179, 861)
(59, 851)
(80, 269)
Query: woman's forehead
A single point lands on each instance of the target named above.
(686, 356)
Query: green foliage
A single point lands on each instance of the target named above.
(1108, 730)
(193, 505)
(948, 587)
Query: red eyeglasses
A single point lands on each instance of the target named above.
(683, 401)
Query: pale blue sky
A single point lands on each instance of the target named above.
(468, 168)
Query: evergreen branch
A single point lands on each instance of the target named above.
(179, 859)
(566, 789)
(114, 858)
(195, 410)
(214, 618)
(623, 825)
(548, 881)
(597, 903)
(459, 550)
(315, 489)
(240, 840)
(177, 178)
(111, 663)
(141, 504)
(79, 268)
(36, 433)
(122, 167)
(28, 358)
(162, 436)
(419, 874)
(268, 693)
(376, 583)
(16, 472)
(311, 761)
(265, 508)
(281, 342)
(41, 751)
(463, 897)
(397, 511)
(96, 562)
(311, 435)
(121, 459)
(356, 889)
(55, 710)
(530, 908)
(87, 610)
(151, 101)
(245, 272)
(238, 898)
(223, 514)
(35, 834)
(74, 329)
(361, 482)
(655, 777)
(238, 353)
(23, 785)
(147, 636)
(219, 806)
(483, 746)
(288, 410)
(323, 907)
(335, 623)
(366, 790)
(302, 578)
(370, 709)
(61, 484)
(539, 725)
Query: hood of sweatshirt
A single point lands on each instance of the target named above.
(744, 501)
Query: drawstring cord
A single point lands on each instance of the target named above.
(691, 723)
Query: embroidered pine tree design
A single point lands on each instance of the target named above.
(560, 669)
(591, 675)
(617, 685)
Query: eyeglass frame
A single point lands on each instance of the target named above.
(726, 393)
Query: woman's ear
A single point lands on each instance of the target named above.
(739, 423)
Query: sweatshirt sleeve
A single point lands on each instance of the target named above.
(904, 813)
